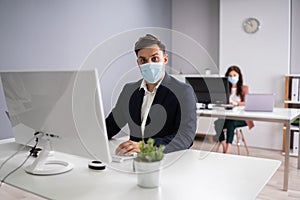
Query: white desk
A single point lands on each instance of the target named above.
(192, 175)
(279, 115)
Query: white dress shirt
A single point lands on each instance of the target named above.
(147, 102)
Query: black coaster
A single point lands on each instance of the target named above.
(96, 165)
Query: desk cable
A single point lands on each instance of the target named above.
(20, 149)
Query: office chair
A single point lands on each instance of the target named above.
(239, 136)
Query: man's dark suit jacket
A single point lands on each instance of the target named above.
(171, 120)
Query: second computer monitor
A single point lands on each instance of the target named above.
(208, 90)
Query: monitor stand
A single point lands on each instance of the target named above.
(44, 166)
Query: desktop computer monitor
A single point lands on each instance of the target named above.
(210, 90)
(63, 109)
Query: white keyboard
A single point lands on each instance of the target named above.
(119, 159)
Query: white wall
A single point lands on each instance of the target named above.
(263, 56)
(59, 34)
(295, 38)
(198, 19)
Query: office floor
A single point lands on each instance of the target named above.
(273, 189)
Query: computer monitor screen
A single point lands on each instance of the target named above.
(65, 107)
(210, 89)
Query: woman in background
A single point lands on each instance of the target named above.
(237, 98)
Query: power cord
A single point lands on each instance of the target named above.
(32, 151)
(20, 149)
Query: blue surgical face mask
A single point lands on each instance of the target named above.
(152, 72)
(233, 80)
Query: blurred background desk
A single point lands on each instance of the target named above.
(279, 115)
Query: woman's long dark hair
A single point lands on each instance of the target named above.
(239, 85)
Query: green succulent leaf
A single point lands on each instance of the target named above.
(149, 152)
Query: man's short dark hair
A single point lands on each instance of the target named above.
(147, 41)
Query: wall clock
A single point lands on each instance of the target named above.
(251, 25)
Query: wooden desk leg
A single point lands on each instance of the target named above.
(287, 157)
(210, 139)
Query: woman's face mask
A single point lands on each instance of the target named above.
(233, 79)
(152, 71)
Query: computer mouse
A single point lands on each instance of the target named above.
(229, 107)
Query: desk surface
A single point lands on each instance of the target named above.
(192, 175)
(278, 114)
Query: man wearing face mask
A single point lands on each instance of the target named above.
(157, 106)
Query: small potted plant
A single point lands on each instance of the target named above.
(147, 164)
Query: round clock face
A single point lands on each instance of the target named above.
(251, 25)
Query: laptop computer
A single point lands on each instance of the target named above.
(259, 102)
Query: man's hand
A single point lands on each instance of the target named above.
(127, 148)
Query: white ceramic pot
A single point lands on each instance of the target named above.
(148, 173)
